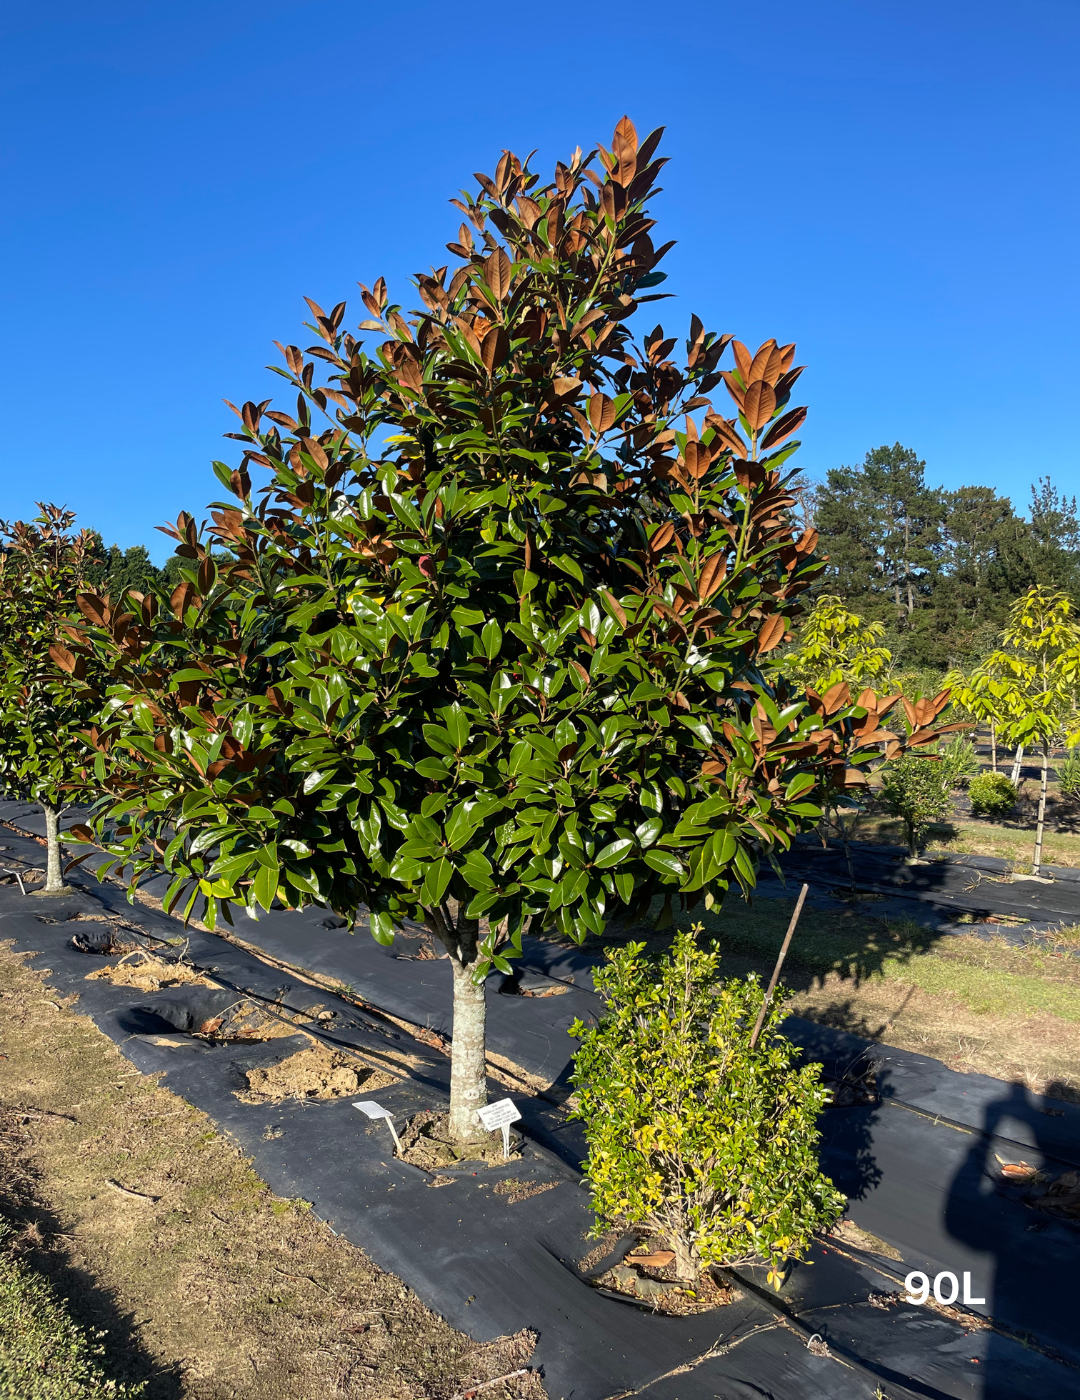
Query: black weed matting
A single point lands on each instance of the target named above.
(916, 1149)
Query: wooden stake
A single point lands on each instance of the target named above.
(779, 964)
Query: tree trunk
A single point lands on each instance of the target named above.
(468, 1076)
(1017, 761)
(912, 844)
(686, 1266)
(1036, 864)
(993, 748)
(847, 849)
(54, 879)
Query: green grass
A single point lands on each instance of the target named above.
(44, 1354)
(989, 977)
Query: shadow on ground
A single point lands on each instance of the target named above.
(37, 1231)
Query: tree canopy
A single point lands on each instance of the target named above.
(486, 648)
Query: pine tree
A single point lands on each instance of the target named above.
(881, 526)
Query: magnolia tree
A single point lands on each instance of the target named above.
(487, 652)
(44, 702)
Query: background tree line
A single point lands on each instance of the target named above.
(939, 569)
(113, 571)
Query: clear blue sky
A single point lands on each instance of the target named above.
(892, 185)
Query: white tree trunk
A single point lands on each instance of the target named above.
(468, 1074)
(54, 879)
(993, 748)
(1017, 761)
(1036, 864)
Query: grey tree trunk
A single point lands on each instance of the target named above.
(468, 1073)
(686, 1265)
(1017, 761)
(1036, 864)
(468, 1059)
(993, 748)
(54, 879)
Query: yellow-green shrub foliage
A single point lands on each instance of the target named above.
(992, 795)
(692, 1134)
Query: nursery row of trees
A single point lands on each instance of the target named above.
(939, 569)
(1026, 689)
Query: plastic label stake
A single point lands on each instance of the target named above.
(500, 1115)
(376, 1110)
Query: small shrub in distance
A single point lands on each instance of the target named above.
(1068, 772)
(917, 791)
(959, 761)
(992, 795)
(691, 1134)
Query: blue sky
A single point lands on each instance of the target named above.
(894, 186)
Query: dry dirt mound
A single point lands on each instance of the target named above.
(148, 973)
(317, 1073)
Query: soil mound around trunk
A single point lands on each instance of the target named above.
(648, 1275)
(426, 1143)
(317, 1073)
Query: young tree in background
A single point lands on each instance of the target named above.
(43, 705)
(488, 651)
(1034, 678)
(834, 645)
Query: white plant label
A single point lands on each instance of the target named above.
(376, 1110)
(500, 1115)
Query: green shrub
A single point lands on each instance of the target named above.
(44, 1355)
(916, 790)
(691, 1134)
(1068, 772)
(959, 761)
(992, 795)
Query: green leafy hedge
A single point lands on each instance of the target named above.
(692, 1134)
(992, 795)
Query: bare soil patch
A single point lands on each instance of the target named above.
(647, 1275)
(315, 1073)
(160, 1235)
(850, 1233)
(148, 973)
(515, 1190)
(664, 1291)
